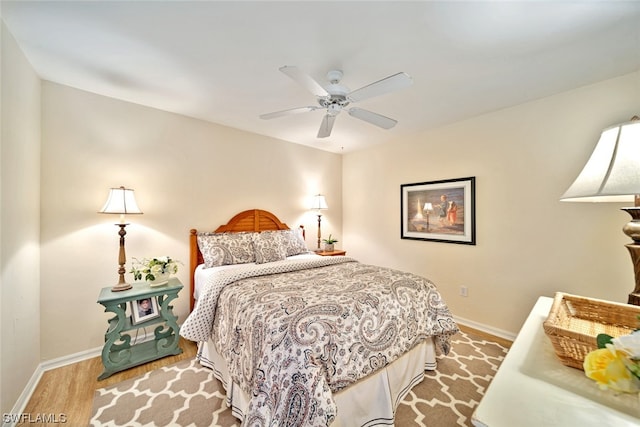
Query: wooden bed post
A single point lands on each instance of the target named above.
(194, 254)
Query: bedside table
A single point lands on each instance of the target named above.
(118, 353)
(332, 253)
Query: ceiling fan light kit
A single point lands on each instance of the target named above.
(336, 97)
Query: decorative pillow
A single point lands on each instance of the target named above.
(226, 248)
(268, 247)
(293, 243)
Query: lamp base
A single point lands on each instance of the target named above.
(122, 259)
(122, 284)
(121, 287)
(632, 229)
(319, 221)
(634, 251)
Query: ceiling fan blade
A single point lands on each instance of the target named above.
(326, 126)
(305, 80)
(388, 84)
(287, 112)
(373, 118)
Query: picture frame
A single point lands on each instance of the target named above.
(439, 211)
(143, 309)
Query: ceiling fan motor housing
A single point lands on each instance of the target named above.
(333, 103)
(337, 99)
(334, 88)
(334, 109)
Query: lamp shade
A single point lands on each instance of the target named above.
(319, 203)
(121, 201)
(612, 173)
(428, 207)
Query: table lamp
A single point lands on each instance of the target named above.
(612, 174)
(121, 201)
(319, 204)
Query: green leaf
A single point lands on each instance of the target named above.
(603, 340)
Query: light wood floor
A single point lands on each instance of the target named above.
(69, 390)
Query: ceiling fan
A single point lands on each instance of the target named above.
(335, 97)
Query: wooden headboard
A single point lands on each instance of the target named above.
(249, 220)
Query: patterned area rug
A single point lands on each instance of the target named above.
(187, 394)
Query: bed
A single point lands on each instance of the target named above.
(299, 339)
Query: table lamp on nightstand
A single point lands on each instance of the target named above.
(319, 204)
(612, 174)
(121, 201)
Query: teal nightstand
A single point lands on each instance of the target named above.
(118, 353)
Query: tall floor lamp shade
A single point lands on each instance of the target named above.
(121, 201)
(612, 174)
(319, 204)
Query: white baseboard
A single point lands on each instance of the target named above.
(484, 328)
(22, 401)
(70, 359)
(88, 354)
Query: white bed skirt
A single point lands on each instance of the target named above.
(371, 401)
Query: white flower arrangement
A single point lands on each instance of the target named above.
(152, 268)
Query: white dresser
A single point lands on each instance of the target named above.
(533, 388)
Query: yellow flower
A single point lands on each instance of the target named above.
(606, 367)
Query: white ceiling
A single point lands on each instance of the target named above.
(219, 61)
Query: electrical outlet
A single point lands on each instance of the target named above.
(464, 291)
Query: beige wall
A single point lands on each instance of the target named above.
(186, 173)
(528, 243)
(19, 222)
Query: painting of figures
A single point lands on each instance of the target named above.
(439, 210)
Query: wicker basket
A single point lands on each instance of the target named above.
(574, 322)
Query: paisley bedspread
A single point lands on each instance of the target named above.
(293, 332)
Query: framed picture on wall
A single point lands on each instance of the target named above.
(144, 309)
(441, 211)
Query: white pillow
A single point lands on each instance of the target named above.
(292, 242)
(268, 247)
(226, 248)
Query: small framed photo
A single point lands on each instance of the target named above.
(144, 309)
(441, 211)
